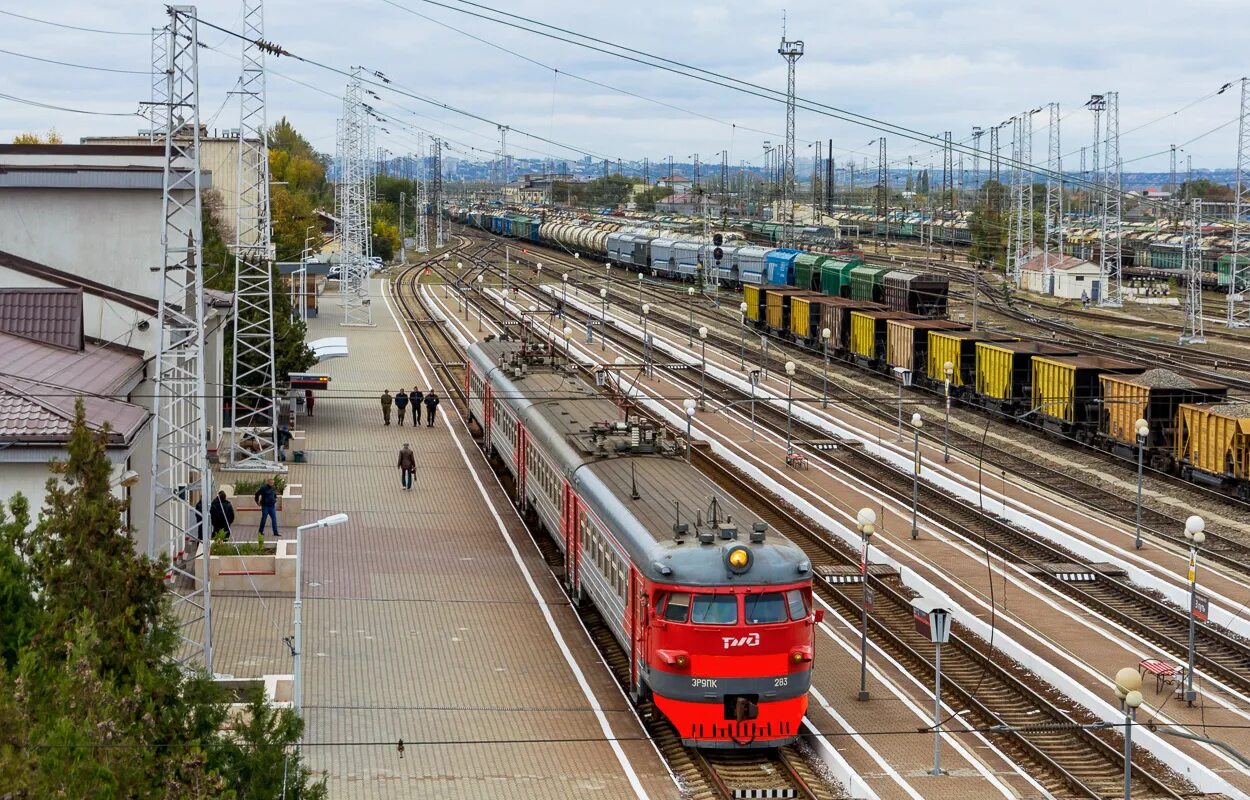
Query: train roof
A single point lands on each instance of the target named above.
(565, 415)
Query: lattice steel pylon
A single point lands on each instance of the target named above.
(1016, 252)
(353, 210)
(1054, 202)
(1191, 257)
(1097, 104)
(180, 473)
(1238, 314)
(995, 160)
(791, 51)
(436, 184)
(159, 100)
(422, 199)
(977, 133)
(253, 382)
(504, 165)
(1112, 260)
(883, 179)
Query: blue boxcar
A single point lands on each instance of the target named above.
(779, 266)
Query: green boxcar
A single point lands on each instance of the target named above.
(866, 283)
(1223, 267)
(835, 277)
(807, 270)
(1165, 258)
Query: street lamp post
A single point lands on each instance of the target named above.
(480, 280)
(568, 353)
(538, 274)
(689, 404)
(703, 373)
(917, 422)
(1194, 531)
(867, 520)
(1142, 429)
(1128, 691)
(825, 333)
(789, 406)
(646, 342)
(297, 691)
(742, 335)
(949, 369)
(564, 292)
(639, 288)
(690, 329)
(603, 319)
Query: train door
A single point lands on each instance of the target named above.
(569, 523)
(1095, 293)
(522, 465)
(488, 416)
(637, 620)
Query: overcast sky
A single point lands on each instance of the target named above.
(930, 66)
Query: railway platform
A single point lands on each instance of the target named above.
(430, 617)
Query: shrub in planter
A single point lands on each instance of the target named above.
(247, 487)
(221, 547)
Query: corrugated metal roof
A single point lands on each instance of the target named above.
(51, 316)
(1038, 263)
(36, 412)
(96, 369)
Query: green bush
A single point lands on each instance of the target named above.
(221, 547)
(247, 487)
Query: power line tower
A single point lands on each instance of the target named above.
(1172, 172)
(253, 383)
(883, 199)
(159, 99)
(1239, 265)
(995, 161)
(1112, 262)
(353, 211)
(977, 133)
(948, 174)
(422, 200)
(791, 51)
(436, 185)
(1191, 258)
(646, 172)
(1054, 202)
(504, 162)
(1097, 104)
(180, 473)
(1016, 249)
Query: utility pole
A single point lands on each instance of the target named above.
(1015, 246)
(994, 160)
(1054, 201)
(791, 51)
(403, 217)
(436, 194)
(253, 383)
(1239, 266)
(353, 210)
(159, 97)
(646, 172)
(422, 200)
(977, 133)
(883, 189)
(503, 155)
(1172, 173)
(831, 172)
(1113, 262)
(1098, 104)
(180, 471)
(948, 174)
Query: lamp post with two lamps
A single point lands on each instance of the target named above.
(689, 404)
(480, 293)
(1128, 691)
(297, 691)
(1195, 528)
(1142, 429)
(603, 319)
(639, 288)
(742, 335)
(564, 291)
(789, 407)
(690, 329)
(917, 422)
(825, 333)
(866, 520)
(646, 341)
(949, 370)
(703, 372)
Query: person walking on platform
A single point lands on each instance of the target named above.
(309, 400)
(401, 404)
(221, 514)
(407, 466)
(431, 405)
(267, 498)
(414, 399)
(386, 407)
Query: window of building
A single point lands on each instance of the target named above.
(714, 609)
(797, 603)
(763, 609)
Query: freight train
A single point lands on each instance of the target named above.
(713, 610)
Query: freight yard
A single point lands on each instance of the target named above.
(466, 443)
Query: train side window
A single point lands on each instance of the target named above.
(763, 609)
(797, 603)
(714, 609)
(677, 607)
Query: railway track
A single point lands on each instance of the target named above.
(1221, 547)
(703, 775)
(1061, 749)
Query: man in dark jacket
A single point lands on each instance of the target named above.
(407, 466)
(267, 498)
(401, 404)
(431, 405)
(221, 515)
(386, 407)
(414, 399)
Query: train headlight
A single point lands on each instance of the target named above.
(738, 558)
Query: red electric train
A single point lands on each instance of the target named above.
(714, 609)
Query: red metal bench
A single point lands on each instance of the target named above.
(1164, 672)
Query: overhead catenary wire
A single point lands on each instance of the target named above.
(53, 107)
(92, 67)
(74, 27)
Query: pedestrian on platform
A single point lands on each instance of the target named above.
(414, 399)
(267, 498)
(431, 405)
(407, 466)
(386, 407)
(309, 400)
(221, 515)
(401, 405)
(284, 440)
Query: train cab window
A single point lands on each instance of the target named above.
(714, 609)
(677, 607)
(762, 609)
(797, 603)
